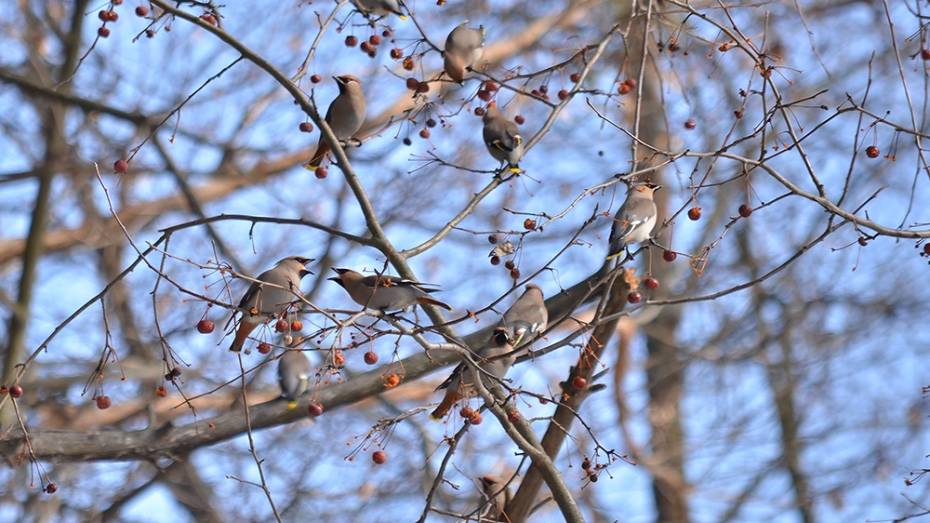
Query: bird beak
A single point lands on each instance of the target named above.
(339, 270)
(304, 261)
(304, 272)
(339, 80)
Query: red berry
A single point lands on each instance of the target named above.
(529, 224)
(103, 32)
(161, 391)
(142, 11)
(121, 166)
(519, 119)
(264, 348)
(387, 33)
(205, 326)
(351, 41)
(631, 82)
(515, 273)
(495, 260)
(484, 95)
(316, 78)
(513, 415)
(112, 16)
(51, 488)
(476, 419)
(579, 383)
(745, 210)
(321, 172)
(651, 283)
(366, 47)
(509, 264)
(479, 111)
(208, 18)
(297, 325)
(694, 213)
(371, 358)
(563, 94)
(102, 15)
(575, 77)
(927, 248)
(408, 63)
(624, 88)
(492, 239)
(424, 133)
(423, 87)
(396, 53)
(467, 412)
(379, 457)
(490, 86)
(634, 297)
(306, 127)
(690, 124)
(103, 402)
(150, 33)
(374, 40)
(16, 391)
(412, 83)
(872, 151)
(315, 409)
(669, 256)
(925, 54)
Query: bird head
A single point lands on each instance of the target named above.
(340, 271)
(348, 81)
(297, 263)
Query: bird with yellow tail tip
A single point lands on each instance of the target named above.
(635, 219)
(293, 376)
(345, 116)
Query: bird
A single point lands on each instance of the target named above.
(635, 219)
(497, 495)
(523, 322)
(261, 303)
(345, 115)
(464, 47)
(385, 292)
(502, 138)
(379, 8)
(293, 376)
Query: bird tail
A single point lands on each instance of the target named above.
(426, 300)
(292, 404)
(448, 401)
(454, 67)
(322, 149)
(242, 333)
(616, 249)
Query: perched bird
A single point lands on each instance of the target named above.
(261, 303)
(464, 47)
(635, 219)
(345, 115)
(521, 324)
(379, 8)
(502, 138)
(385, 292)
(497, 495)
(293, 376)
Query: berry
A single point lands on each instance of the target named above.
(745, 210)
(316, 78)
(121, 166)
(408, 142)
(651, 283)
(515, 273)
(281, 325)
(412, 83)
(142, 11)
(16, 391)
(694, 213)
(529, 224)
(112, 16)
(423, 87)
(208, 18)
(321, 172)
(634, 297)
(631, 82)
(492, 239)
(872, 151)
(484, 95)
(379, 457)
(366, 47)
(102, 15)
(264, 348)
(513, 415)
(351, 41)
(103, 32)
(624, 88)
(297, 325)
(150, 33)
(519, 119)
(424, 133)
(563, 94)
(205, 326)
(387, 33)
(103, 402)
(51, 488)
(374, 40)
(306, 127)
(431, 123)
(669, 256)
(467, 412)
(925, 54)
(490, 86)
(396, 53)
(690, 124)
(339, 359)
(579, 383)
(408, 63)
(593, 478)
(927, 248)
(391, 381)
(509, 264)
(371, 358)
(161, 391)
(862, 241)
(479, 111)
(586, 464)
(495, 260)
(575, 77)
(475, 420)
(315, 409)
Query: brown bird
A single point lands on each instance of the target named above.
(464, 47)
(385, 292)
(502, 138)
(521, 324)
(293, 376)
(261, 303)
(497, 495)
(345, 115)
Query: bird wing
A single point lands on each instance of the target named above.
(635, 212)
(502, 135)
(455, 373)
(388, 280)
